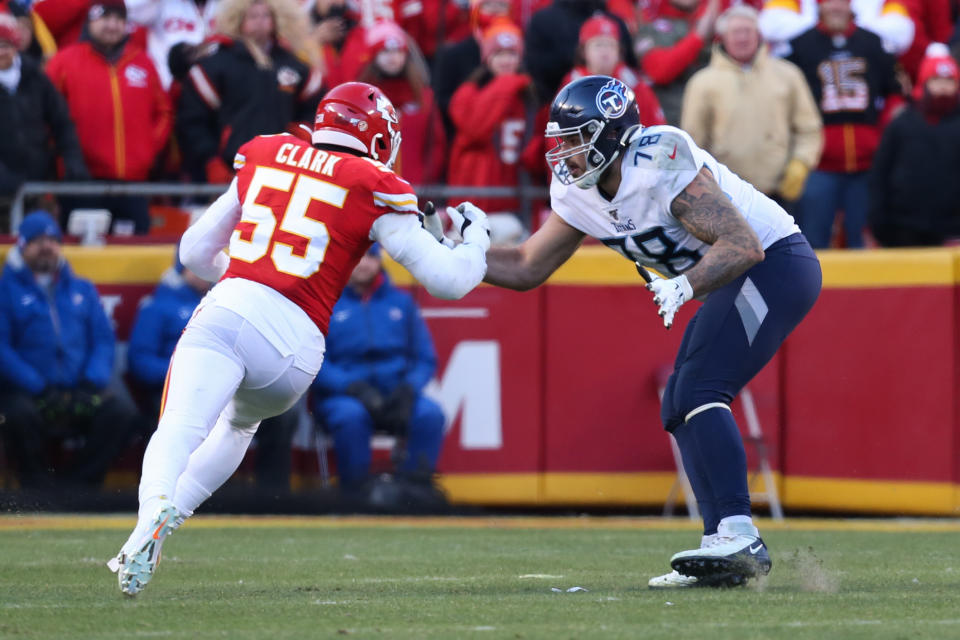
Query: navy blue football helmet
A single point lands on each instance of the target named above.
(593, 116)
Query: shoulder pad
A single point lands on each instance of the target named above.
(384, 168)
(663, 147)
(249, 149)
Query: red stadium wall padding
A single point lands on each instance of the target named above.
(871, 386)
(551, 394)
(505, 325)
(605, 347)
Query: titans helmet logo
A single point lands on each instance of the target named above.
(612, 99)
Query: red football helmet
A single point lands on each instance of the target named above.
(359, 116)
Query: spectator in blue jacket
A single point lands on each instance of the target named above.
(160, 321)
(56, 360)
(379, 357)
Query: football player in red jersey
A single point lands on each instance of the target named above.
(295, 221)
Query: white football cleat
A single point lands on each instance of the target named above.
(138, 558)
(672, 580)
(676, 580)
(736, 550)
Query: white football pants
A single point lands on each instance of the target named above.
(224, 378)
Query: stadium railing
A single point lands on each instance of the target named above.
(526, 194)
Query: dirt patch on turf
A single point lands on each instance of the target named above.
(811, 574)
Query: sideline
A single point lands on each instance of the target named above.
(113, 521)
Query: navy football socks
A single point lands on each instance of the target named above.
(716, 464)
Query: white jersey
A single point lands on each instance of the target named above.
(171, 22)
(657, 165)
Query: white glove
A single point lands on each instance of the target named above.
(472, 223)
(670, 294)
(432, 223)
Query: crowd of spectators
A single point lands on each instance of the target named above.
(796, 95)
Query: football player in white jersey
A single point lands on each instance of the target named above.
(713, 237)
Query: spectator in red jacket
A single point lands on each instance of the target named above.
(551, 41)
(458, 59)
(403, 78)
(493, 112)
(599, 53)
(673, 42)
(122, 114)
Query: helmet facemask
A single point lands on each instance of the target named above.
(576, 141)
(378, 144)
(591, 117)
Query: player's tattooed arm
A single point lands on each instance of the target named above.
(704, 210)
(529, 265)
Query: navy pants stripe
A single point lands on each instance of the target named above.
(732, 336)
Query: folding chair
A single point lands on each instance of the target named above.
(754, 439)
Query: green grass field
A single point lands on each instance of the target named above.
(473, 578)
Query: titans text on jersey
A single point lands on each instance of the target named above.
(657, 165)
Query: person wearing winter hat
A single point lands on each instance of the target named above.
(600, 53)
(550, 40)
(937, 81)
(122, 113)
(56, 362)
(455, 61)
(914, 196)
(397, 68)
(9, 31)
(493, 113)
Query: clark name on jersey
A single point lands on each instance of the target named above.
(307, 218)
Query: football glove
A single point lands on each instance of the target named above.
(670, 295)
(472, 223)
(432, 223)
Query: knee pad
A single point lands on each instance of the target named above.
(682, 400)
(705, 407)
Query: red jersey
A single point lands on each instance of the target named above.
(306, 218)
(491, 125)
